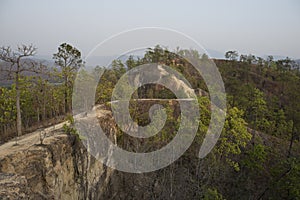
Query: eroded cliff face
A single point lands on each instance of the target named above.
(59, 169)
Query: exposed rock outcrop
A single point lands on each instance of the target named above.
(59, 169)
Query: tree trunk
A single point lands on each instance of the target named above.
(66, 95)
(19, 122)
(38, 114)
(291, 143)
(44, 105)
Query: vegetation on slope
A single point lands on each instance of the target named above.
(257, 155)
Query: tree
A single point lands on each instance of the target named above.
(68, 58)
(18, 65)
(118, 68)
(251, 59)
(131, 62)
(204, 57)
(257, 109)
(155, 55)
(234, 136)
(231, 55)
(212, 194)
(270, 62)
(286, 64)
(243, 58)
(7, 109)
(260, 61)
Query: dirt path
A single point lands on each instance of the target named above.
(26, 141)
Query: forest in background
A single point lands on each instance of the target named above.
(260, 140)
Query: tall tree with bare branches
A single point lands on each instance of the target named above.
(17, 66)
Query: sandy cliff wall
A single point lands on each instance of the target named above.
(59, 169)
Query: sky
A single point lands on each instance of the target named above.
(260, 27)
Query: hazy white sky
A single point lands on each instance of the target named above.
(256, 26)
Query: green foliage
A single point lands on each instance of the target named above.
(118, 68)
(70, 128)
(68, 58)
(212, 194)
(234, 136)
(255, 157)
(264, 116)
(7, 106)
(285, 180)
(204, 108)
(262, 94)
(131, 63)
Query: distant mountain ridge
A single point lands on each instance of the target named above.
(6, 81)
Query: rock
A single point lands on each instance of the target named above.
(59, 169)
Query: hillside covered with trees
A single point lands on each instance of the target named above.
(258, 153)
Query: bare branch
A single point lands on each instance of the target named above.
(26, 50)
(7, 55)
